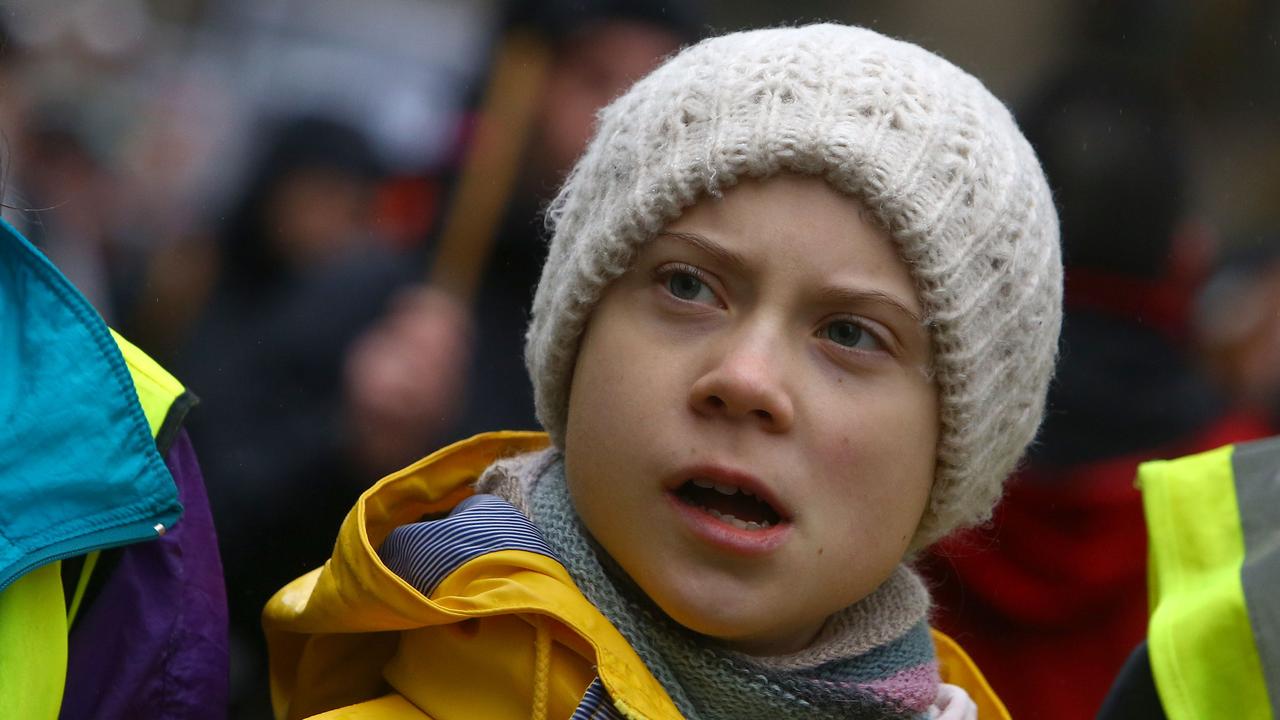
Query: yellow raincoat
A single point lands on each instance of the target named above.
(505, 635)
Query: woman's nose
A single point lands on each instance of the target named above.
(745, 383)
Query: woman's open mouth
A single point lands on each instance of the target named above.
(734, 505)
(731, 510)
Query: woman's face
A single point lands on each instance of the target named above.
(752, 425)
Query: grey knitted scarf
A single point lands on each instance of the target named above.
(873, 660)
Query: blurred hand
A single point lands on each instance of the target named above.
(405, 377)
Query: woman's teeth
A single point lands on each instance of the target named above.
(738, 522)
(731, 504)
(722, 489)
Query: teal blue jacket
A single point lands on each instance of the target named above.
(79, 468)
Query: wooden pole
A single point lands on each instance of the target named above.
(489, 171)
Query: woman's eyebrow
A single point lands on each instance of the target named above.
(828, 295)
(850, 296)
(721, 253)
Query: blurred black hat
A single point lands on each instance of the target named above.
(290, 145)
(1111, 147)
(560, 19)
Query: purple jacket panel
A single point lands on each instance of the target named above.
(153, 644)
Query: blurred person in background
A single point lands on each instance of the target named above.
(301, 274)
(412, 398)
(72, 82)
(1052, 596)
(65, 175)
(598, 49)
(14, 108)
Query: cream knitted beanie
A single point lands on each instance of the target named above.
(931, 153)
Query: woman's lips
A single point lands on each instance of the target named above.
(720, 475)
(722, 529)
(722, 533)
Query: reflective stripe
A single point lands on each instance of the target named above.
(1257, 471)
(33, 645)
(1201, 642)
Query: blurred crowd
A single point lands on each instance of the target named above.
(319, 220)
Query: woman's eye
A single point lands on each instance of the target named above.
(687, 286)
(851, 335)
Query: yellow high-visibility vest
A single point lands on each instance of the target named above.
(1213, 521)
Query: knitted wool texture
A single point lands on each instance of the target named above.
(924, 146)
